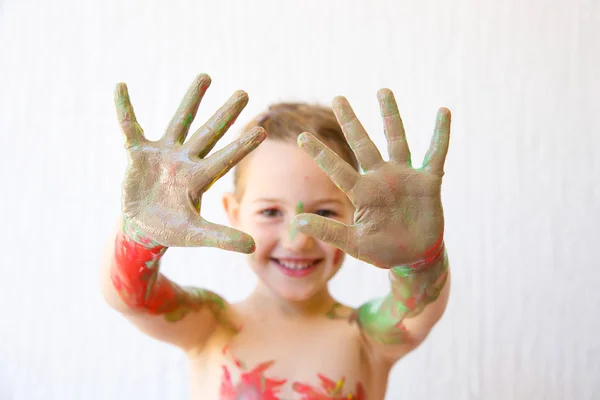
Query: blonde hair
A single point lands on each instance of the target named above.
(285, 121)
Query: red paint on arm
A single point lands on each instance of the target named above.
(137, 280)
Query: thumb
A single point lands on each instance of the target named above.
(327, 230)
(208, 234)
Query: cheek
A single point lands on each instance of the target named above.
(265, 238)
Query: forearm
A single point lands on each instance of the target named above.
(133, 285)
(416, 301)
(133, 282)
(135, 273)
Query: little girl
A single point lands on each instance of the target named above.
(299, 205)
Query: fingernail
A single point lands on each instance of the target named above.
(444, 114)
(241, 96)
(255, 135)
(204, 81)
(339, 100)
(301, 222)
(247, 247)
(302, 139)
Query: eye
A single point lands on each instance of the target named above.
(326, 213)
(270, 213)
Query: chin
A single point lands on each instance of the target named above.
(292, 289)
(295, 295)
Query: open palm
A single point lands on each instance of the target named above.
(398, 217)
(165, 179)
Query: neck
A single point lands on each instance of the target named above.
(317, 305)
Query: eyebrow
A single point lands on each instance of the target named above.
(316, 203)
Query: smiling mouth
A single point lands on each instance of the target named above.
(296, 268)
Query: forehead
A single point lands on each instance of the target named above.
(282, 170)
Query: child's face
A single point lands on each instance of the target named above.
(280, 181)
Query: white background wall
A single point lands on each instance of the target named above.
(521, 190)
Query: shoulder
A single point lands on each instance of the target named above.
(226, 315)
(339, 311)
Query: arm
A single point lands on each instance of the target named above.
(161, 203)
(132, 284)
(398, 225)
(397, 323)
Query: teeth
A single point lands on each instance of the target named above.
(292, 265)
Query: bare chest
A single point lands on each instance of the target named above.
(275, 362)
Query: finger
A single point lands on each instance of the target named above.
(134, 134)
(223, 160)
(180, 124)
(393, 127)
(327, 230)
(205, 138)
(341, 173)
(365, 150)
(436, 155)
(207, 234)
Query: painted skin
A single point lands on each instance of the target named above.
(392, 201)
(398, 219)
(255, 383)
(160, 172)
(165, 179)
(161, 193)
(155, 170)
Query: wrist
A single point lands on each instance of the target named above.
(433, 256)
(135, 269)
(135, 234)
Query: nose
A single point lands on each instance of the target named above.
(295, 241)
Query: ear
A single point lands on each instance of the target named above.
(232, 209)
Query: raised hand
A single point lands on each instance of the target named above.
(398, 219)
(165, 179)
